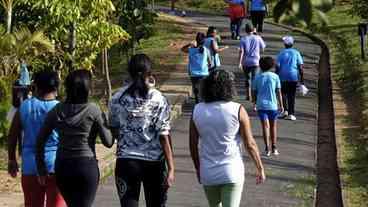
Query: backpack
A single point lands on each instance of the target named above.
(198, 64)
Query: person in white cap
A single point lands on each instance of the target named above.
(289, 67)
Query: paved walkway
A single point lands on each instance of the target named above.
(289, 174)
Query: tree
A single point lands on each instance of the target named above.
(301, 12)
(360, 8)
(137, 20)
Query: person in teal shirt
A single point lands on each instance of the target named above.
(290, 70)
(268, 103)
(26, 125)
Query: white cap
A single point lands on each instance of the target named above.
(288, 40)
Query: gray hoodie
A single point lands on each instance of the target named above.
(78, 126)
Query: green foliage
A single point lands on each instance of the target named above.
(301, 12)
(135, 17)
(4, 107)
(360, 8)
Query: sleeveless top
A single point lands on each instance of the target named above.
(32, 115)
(220, 148)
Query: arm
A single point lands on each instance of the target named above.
(251, 145)
(102, 129)
(279, 98)
(218, 49)
(241, 55)
(254, 99)
(186, 47)
(42, 138)
(301, 73)
(165, 141)
(14, 135)
(193, 146)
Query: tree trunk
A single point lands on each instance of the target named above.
(9, 19)
(107, 74)
(72, 43)
(173, 5)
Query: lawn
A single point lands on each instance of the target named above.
(349, 73)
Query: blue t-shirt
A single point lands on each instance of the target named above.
(288, 61)
(241, 2)
(32, 115)
(266, 84)
(215, 57)
(198, 62)
(258, 5)
(252, 45)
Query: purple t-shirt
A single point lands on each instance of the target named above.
(252, 45)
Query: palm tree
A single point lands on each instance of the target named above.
(22, 46)
(301, 12)
(8, 6)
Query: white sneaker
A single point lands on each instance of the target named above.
(275, 152)
(267, 153)
(284, 114)
(291, 117)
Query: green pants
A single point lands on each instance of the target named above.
(225, 195)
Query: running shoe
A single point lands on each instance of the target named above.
(275, 151)
(283, 115)
(267, 153)
(291, 117)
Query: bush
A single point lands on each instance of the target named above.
(4, 107)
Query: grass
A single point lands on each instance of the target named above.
(209, 6)
(349, 73)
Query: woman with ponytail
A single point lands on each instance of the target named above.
(78, 123)
(140, 119)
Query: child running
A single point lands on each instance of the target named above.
(212, 45)
(267, 93)
(199, 61)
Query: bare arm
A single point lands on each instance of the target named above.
(14, 136)
(166, 145)
(251, 145)
(241, 55)
(193, 146)
(105, 134)
(218, 49)
(186, 47)
(279, 98)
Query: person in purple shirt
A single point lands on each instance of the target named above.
(251, 47)
(289, 67)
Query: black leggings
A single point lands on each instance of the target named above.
(77, 180)
(257, 19)
(130, 173)
(196, 87)
(288, 90)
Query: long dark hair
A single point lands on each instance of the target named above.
(77, 86)
(140, 66)
(211, 30)
(200, 41)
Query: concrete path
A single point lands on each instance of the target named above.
(290, 176)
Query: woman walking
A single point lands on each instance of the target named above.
(237, 12)
(140, 118)
(78, 122)
(258, 11)
(217, 129)
(199, 61)
(212, 45)
(28, 121)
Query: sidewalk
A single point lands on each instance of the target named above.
(290, 176)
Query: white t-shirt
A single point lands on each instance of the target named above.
(220, 142)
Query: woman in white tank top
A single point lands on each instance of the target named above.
(217, 130)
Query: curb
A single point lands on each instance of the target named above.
(326, 131)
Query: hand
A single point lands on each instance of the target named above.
(169, 179)
(13, 168)
(42, 180)
(260, 177)
(281, 109)
(240, 66)
(226, 47)
(254, 107)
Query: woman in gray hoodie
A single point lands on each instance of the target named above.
(78, 122)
